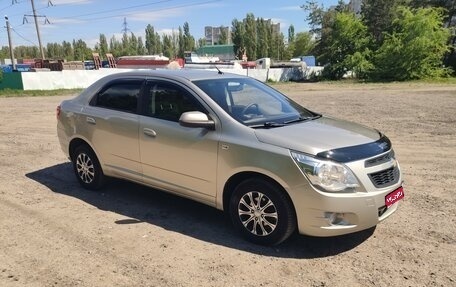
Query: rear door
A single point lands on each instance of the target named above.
(173, 157)
(112, 120)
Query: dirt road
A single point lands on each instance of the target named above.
(54, 233)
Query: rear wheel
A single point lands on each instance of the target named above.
(87, 168)
(261, 212)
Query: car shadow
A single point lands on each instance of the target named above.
(142, 204)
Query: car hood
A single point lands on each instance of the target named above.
(315, 136)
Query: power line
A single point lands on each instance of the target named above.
(120, 15)
(23, 38)
(6, 8)
(117, 9)
(135, 12)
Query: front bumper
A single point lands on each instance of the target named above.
(328, 214)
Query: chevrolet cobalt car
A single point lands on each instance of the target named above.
(236, 144)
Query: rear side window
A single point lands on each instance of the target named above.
(121, 96)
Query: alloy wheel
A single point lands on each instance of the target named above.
(258, 213)
(85, 168)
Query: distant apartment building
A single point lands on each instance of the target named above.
(355, 6)
(275, 26)
(213, 34)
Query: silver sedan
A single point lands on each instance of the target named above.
(236, 144)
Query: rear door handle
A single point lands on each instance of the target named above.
(150, 133)
(91, 120)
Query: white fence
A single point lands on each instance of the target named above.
(80, 79)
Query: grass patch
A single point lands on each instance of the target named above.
(8, 93)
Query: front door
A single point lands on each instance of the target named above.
(176, 158)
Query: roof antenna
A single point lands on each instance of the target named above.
(219, 72)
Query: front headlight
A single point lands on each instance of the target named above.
(326, 175)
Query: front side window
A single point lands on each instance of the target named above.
(168, 101)
(121, 96)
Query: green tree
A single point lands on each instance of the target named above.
(133, 45)
(415, 48)
(151, 40)
(4, 52)
(274, 48)
(201, 42)
(223, 36)
(321, 22)
(141, 50)
(180, 43)
(263, 39)
(115, 46)
(281, 49)
(103, 45)
(189, 41)
(238, 36)
(347, 41)
(168, 49)
(81, 51)
(125, 44)
(314, 17)
(54, 51)
(291, 34)
(250, 38)
(26, 52)
(378, 16)
(67, 50)
(449, 7)
(304, 44)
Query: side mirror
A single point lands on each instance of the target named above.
(196, 120)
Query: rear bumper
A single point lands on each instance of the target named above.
(63, 140)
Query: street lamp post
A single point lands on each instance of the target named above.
(10, 42)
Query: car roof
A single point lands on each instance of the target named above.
(188, 74)
(181, 75)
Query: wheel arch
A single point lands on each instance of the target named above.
(75, 143)
(237, 178)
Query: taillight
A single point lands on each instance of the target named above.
(57, 112)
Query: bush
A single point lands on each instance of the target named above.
(416, 47)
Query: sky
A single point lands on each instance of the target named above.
(65, 20)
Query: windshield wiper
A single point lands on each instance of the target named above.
(267, 125)
(302, 119)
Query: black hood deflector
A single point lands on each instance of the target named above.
(353, 153)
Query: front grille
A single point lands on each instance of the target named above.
(385, 177)
(379, 160)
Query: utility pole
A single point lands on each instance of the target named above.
(8, 29)
(37, 29)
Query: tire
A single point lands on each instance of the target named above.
(87, 168)
(262, 212)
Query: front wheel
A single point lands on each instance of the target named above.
(87, 168)
(261, 212)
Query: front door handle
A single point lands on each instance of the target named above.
(91, 120)
(150, 133)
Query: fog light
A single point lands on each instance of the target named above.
(335, 218)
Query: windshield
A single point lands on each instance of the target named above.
(254, 103)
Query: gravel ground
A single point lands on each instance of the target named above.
(54, 233)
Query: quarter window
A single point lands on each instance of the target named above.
(122, 96)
